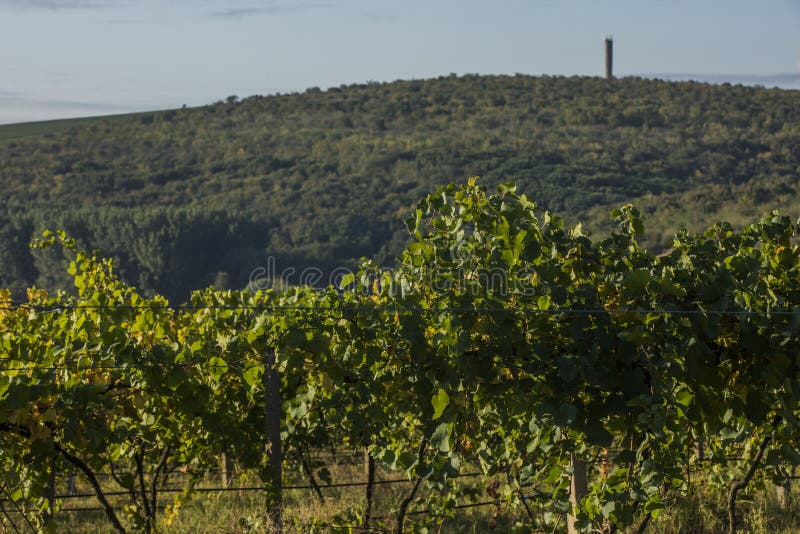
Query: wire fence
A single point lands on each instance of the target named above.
(78, 508)
(257, 488)
(396, 309)
(330, 310)
(224, 489)
(495, 501)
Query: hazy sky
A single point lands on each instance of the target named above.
(65, 58)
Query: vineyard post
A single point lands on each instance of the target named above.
(784, 491)
(699, 449)
(71, 488)
(578, 488)
(369, 473)
(272, 421)
(226, 469)
(783, 494)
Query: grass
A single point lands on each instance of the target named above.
(759, 512)
(22, 130)
(232, 512)
(703, 511)
(245, 511)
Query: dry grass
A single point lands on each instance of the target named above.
(342, 508)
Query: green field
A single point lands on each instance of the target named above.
(22, 130)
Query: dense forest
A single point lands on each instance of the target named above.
(197, 196)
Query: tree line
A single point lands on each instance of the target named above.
(324, 178)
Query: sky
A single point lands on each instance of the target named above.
(73, 58)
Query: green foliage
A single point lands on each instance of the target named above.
(504, 339)
(323, 178)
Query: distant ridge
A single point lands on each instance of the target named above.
(188, 197)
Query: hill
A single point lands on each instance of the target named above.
(184, 198)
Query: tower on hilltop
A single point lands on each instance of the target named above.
(609, 58)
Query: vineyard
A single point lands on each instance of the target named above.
(594, 382)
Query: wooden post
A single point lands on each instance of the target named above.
(577, 489)
(272, 424)
(783, 493)
(72, 489)
(369, 474)
(226, 469)
(699, 449)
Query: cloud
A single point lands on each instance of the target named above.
(42, 75)
(272, 9)
(377, 16)
(231, 9)
(10, 98)
(58, 5)
(8, 95)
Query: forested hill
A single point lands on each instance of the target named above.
(189, 197)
